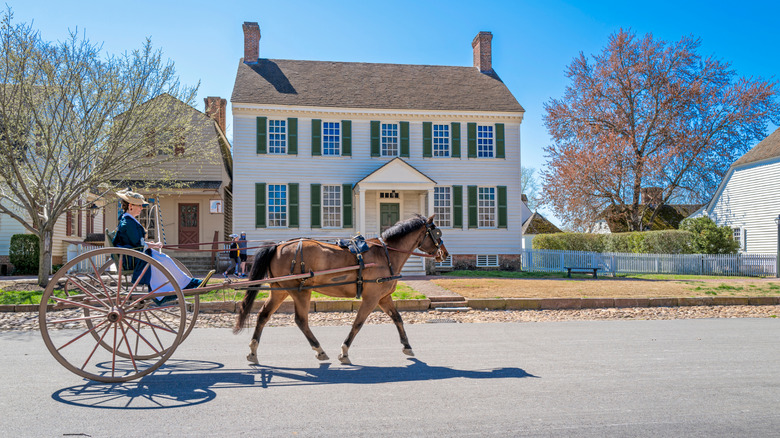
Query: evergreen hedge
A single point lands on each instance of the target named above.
(24, 253)
(648, 242)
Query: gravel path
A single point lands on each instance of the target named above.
(29, 320)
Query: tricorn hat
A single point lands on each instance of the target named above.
(132, 197)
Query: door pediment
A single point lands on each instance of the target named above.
(396, 174)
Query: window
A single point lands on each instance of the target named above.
(447, 263)
(148, 220)
(486, 207)
(484, 261)
(277, 136)
(388, 195)
(485, 141)
(442, 205)
(737, 233)
(441, 140)
(277, 205)
(389, 139)
(331, 206)
(331, 138)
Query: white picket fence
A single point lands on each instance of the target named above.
(753, 265)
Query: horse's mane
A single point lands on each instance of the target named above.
(403, 228)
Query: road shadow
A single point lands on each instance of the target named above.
(182, 383)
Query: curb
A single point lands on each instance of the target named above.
(479, 304)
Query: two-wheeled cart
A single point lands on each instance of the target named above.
(101, 325)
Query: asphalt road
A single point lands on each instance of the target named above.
(607, 378)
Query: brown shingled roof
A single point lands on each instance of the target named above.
(766, 148)
(366, 85)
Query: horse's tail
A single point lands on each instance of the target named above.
(260, 266)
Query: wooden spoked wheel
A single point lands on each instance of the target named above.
(92, 302)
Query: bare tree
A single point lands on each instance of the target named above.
(73, 120)
(529, 186)
(646, 113)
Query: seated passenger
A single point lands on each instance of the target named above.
(131, 234)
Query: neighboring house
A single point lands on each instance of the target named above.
(8, 227)
(195, 206)
(330, 149)
(748, 198)
(533, 226)
(612, 220)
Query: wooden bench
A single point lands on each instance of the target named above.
(585, 270)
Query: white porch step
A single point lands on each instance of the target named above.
(415, 266)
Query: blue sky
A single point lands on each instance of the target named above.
(533, 41)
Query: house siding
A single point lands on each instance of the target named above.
(251, 168)
(750, 199)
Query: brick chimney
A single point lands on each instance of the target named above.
(251, 42)
(483, 58)
(216, 108)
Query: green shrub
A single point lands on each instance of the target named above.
(23, 253)
(709, 238)
(570, 242)
(624, 242)
(668, 242)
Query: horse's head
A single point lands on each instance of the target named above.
(432, 242)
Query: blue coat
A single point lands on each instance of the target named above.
(130, 234)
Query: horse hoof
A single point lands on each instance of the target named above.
(322, 356)
(344, 359)
(252, 358)
(408, 352)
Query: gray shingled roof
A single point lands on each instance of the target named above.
(366, 85)
(766, 148)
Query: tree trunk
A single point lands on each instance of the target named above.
(44, 263)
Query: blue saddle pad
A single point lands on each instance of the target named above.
(356, 245)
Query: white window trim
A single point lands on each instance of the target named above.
(449, 140)
(286, 206)
(340, 207)
(492, 142)
(340, 142)
(495, 208)
(397, 139)
(268, 137)
(451, 215)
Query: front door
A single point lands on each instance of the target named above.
(188, 225)
(389, 214)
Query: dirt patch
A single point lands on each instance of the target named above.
(606, 288)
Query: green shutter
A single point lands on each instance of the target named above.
(346, 203)
(499, 140)
(404, 128)
(375, 141)
(316, 195)
(427, 139)
(262, 144)
(472, 139)
(472, 206)
(457, 206)
(292, 207)
(502, 216)
(316, 137)
(346, 138)
(292, 136)
(455, 140)
(260, 205)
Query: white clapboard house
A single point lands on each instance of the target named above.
(330, 149)
(748, 198)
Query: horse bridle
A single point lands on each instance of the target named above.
(434, 234)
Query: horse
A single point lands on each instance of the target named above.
(388, 255)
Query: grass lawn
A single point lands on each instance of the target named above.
(402, 292)
(502, 284)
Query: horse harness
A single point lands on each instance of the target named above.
(357, 246)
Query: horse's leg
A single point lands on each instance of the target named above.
(302, 302)
(269, 307)
(388, 306)
(366, 307)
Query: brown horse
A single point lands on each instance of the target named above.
(379, 281)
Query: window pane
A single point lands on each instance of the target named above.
(485, 141)
(389, 139)
(441, 140)
(487, 207)
(331, 138)
(331, 206)
(277, 136)
(442, 206)
(277, 205)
